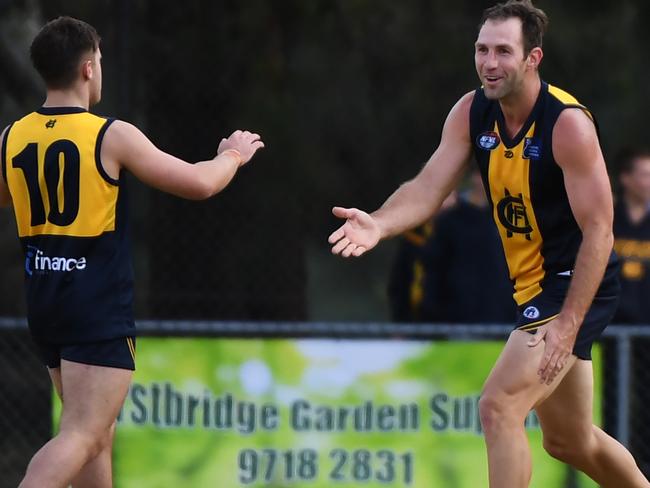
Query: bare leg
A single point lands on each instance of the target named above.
(510, 392)
(93, 398)
(569, 434)
(97, 473)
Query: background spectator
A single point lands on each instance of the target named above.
(407, 276)
(632, 244)
(467, 277)
(442, 268)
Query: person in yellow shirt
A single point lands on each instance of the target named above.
(539, 156)
(63, 172)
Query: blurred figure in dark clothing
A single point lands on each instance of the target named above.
(632, 244)
(442, 269)
(467, 276)
(632, 237)
(407, 276)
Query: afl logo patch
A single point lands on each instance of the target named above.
(531, 312)
(488, 140)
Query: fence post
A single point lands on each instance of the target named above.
(623, 388)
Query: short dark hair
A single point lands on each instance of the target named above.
(58, 47)
(625, 158)
(534, 21)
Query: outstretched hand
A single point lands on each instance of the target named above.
(558, 347)
(244, 142)
(359, 234)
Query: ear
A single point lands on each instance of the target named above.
(535, 57)
(87, 69)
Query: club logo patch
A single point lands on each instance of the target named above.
(531, 312)
(532, 148)
(488, 140)
(513, 216)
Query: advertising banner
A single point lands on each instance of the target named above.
(311, 413)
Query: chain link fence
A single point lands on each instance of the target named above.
(342, 96)
(25, 403)
(25, 391)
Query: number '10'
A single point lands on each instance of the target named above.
(27, 161)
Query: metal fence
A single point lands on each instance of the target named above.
(25, 392)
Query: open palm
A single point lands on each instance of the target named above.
(358, 234)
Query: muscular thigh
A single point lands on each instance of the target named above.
(567, 412)
(93, 395)
(514, 377)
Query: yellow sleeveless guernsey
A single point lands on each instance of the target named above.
(70, 216)
(525, 187)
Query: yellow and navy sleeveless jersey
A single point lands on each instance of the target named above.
(526, 189)
(71, 220)
(632, 245)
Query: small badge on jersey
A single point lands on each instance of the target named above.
(532, 148)
(531, 312)
(488, 140)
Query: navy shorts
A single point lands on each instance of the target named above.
(112, 353)
(547, 305)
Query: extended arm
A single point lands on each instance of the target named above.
(590, 196)
(577, 152)
(126, 146)
(416, 200)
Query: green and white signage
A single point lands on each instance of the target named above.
(311, 413)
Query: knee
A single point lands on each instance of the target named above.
(493, 412)
(557, 448)
(571, 451)
(92, 443)
(104, 439)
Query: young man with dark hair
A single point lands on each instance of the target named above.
(63, 171)
(632, 236)
(540, 160)
(632, 245)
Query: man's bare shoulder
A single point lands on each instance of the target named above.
(575, 139)
(5, 197)
(574, 127)
(120, 132)
(459, 113)
(464, 103)
(456, 128)
(468, 98)
(123, 138)
(3, 135)
(574, 118)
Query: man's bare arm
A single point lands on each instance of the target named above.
(5, 196)
(418, 199)
(126, 146)
(577, 152)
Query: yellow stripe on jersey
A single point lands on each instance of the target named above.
(53, 177)
(567, 99)
(508, 176)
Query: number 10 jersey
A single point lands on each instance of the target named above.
(71, 219)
